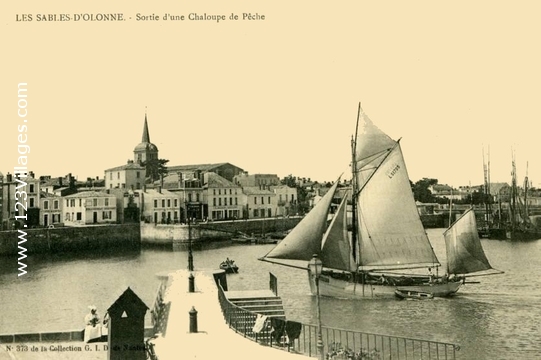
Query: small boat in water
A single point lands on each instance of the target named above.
(416, 295)
(229, 266)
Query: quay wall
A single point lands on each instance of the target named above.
(162, 234)
(64, 239)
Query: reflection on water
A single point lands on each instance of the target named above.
(495, 319)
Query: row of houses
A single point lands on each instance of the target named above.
(202, 196)
(206, 192)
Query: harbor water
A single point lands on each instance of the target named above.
(497, 318)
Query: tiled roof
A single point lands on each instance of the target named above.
(130, 166)
(255, 190)
(216, 181)
(155, 193)
(86, 194)
(202, 167)
(45, 194)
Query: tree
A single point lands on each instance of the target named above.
(155, 168)
(421, 190)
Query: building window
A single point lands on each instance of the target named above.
(110, 176)
(118, 175)
(219, 201)
(46, 205)
(106, 202)
(213, 202)
(163, 203)
(197, 197)
(269, 200)
(155, 203)
(256, 212)
(94, 202)
(67, 203)
(55, 205)
(213, 191)
(168, 202)
(219, 191)
(79, 216)
(230, 201)
(138, 186)
(190, 197)
(31, 202)
(31, 188)
(67, 216)
(255, 199)
(230, 191)
(80, 202)
(72, 202)
(236, 201)
(270, 213)
(104, 215)
(176, 202)
(138, 174)
(262, 200)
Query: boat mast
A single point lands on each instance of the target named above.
(513, 192)
(526, 218)
(354, 231)
(486, 192)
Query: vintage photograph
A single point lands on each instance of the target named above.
(242, 180)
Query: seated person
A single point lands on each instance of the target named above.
(93, 327)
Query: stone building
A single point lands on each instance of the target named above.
(159, 206)
(128, 176)
(51, 209)
(89, 207)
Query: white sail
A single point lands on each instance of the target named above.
(336, 250)
(391, 235)
(305, 239)
(465, 254)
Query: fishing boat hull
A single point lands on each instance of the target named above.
(338, 288)
(523, 235)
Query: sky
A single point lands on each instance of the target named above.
(453, 81)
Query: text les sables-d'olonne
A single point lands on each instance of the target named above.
(103, 17)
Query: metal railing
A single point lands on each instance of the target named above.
(160, 310)
(273, 284)
(338, 343)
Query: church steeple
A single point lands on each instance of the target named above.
(146, 135)
(145, 150)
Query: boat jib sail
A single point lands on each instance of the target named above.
(336, 249)
(305, 239)
(391, 234)
(465, 254)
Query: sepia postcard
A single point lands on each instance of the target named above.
(153, 153)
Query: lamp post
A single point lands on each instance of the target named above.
(316, 266)
(190, 255)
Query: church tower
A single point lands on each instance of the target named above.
(145, 150)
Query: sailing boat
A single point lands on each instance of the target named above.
(387, 233)
(465, 255)
(520, 227)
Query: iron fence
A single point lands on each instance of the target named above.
(338, 343)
